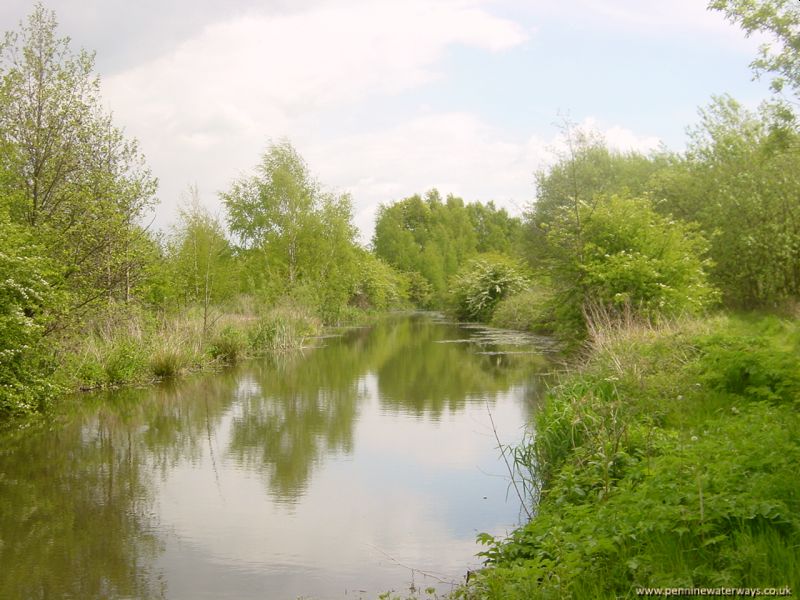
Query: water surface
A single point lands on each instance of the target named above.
(364, 465)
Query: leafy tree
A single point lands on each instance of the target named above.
(201, 258)
(25, 298)
(300, 237)
(67, 171)
(274, 207)
(430, 239)
(598, 239)
(587, 171)
(739, 181)
(379, 285)
(495, 229)
(781, 20)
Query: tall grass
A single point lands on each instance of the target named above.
(126, 345)
(667, 457)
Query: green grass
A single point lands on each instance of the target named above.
(668, 458)
(136, 348)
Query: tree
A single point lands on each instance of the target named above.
(67, 171)
(598, 240)
(740, 180)
(430, 239)
(378, 285)
(200, 258)
(585, 172)
(495, 229)
(302, 236)
(781, 20)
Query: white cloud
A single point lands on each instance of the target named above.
(616, 137)
(690, 17)
(457, 153)
(205, 110)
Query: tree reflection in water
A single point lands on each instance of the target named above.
(77, 510)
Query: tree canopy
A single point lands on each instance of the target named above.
(299, 238)
(65, 169)
(431, 238)
(780, 20)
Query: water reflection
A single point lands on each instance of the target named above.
(375, 441)
(75, 514)
(433, 369)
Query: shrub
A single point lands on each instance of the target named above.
(166, 362)
(529, 310)
(283, 328)
(751, 367)
(645, 484)
(126, 361)
(482, 283)
(379, 285)
(622, 255)
(25, 297)
(228, 345)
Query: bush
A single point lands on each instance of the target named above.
(126, 361)
(379, 285)
(25, 297)
(751, 367)
(228, 345)
(622, 256)
(283, 328)
(529, 310)
(166, 362)
(482, 283)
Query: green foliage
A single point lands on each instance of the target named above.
(662, 465)
(420, 291)
(199, 258)
(587, 171)
(283, 328)
(126, 360)
(621, 255)
(379, 285)
(781, 20)
(25, 297)
(599, 240)
(634, 256)
(737, 181)
(430, 239)
(740, 182)
(295, 236)
(67, 172)
(494, 229)
(528, 310)
(482, 283)
(752, 366)
(166, 362)
(228, 345)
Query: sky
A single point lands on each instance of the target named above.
(388, 98)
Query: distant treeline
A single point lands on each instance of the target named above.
(657, 235)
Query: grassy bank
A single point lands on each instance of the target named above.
(668, 458)
(130, 346)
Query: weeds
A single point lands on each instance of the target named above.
(127, 346)
(667, 459)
